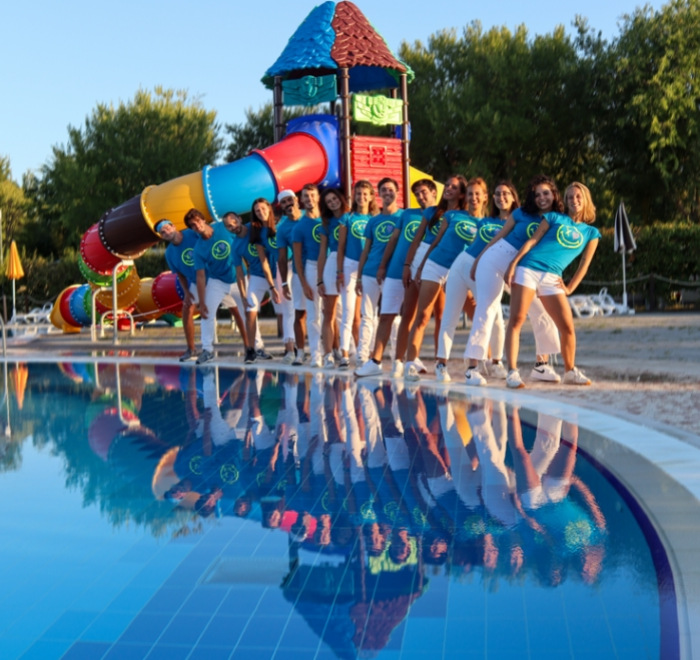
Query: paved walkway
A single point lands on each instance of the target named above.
(645, 368)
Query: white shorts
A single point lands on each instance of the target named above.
(418, 258)
(434, 272)
(257, 288)
(545, 284)
(298, 297)
(392, 296)
(330, 274)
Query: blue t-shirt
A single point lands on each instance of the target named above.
(355, 243)
(271, 249)
(180, 258)
(244, 249)
(215, 254)
(486, 229)
(308, 233)
(332, 232)
(285, 230)
(460, 233)
(563, 242)
(379, 230)
(410, 221)
(525, 227)
(431, 232)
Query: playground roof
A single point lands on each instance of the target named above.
(337, 35)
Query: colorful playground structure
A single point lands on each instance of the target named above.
(334, 57)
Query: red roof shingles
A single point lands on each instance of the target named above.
(357, 43)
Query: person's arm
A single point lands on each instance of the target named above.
(582, 269)
(321, 264)
(361, 265)
(242, 284)
(267, 272)
(299, 265)
(185, 287)
(388, 251)
(342, 243)
(505, 230)
(201, 292)
(282, 265)
(526, 247)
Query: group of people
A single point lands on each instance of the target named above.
(366, 274)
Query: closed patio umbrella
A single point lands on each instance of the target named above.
(624, 243)
(14, 272)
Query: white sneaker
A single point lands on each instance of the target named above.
(344, 362)
(411, 372)
(329, 361)
(369, 368)
(316, 362)
(397, 370)
(576, 377)
(497, 370)
(288, 357)
(299, 358)
(474, 377)
(513, 380)
(420, 366)
(441, 375)
(544, 373)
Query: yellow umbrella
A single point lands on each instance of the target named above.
(19, 376)
(14, 272)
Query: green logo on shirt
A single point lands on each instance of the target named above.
(220, 250)
(188, 257)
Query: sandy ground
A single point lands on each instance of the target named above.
(645, 368)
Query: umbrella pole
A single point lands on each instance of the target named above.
(14, 300)
(624, 281)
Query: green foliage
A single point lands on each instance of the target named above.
(652, 127)
(13, 205)
(497, 104)
(114, 156)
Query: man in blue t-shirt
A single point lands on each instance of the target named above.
(216, 278)
(179, 256)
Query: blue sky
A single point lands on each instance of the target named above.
(60, 59)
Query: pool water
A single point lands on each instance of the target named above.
(158, 511)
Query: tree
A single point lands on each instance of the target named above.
(115, 155)
(497, 104)
(652, 128)
(13, 204)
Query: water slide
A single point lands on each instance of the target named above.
(308, 154)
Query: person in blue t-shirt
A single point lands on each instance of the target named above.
(179, 256)
(291, 287)
(377, 234)
(460, 287)
(306, 244)
(253, 282)
(351, 241)
(216, 279)
(451, 211)
(334, 207)
(395, 298)
(538, 267)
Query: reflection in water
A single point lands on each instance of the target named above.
(379, 489)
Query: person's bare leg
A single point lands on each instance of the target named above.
(520, 300)
(426, 299)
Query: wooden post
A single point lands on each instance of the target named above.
(405, 156)
(346, 174)
(278, 110)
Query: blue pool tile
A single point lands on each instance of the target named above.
(421, 633)
(70, 625)
(108, 627)
(86, 651)
(46, 649)
(124, 651)
(210, 653)
(252, 653)
(132, 599)
(145, 628)
(224, 631)
(299, 636)
(167, 600)
(205, 600)
(169, 652)
(264, 631)
(185, 629)
(242, 600)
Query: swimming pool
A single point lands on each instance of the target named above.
(159, 511)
